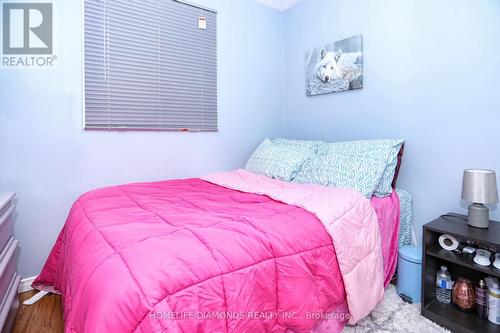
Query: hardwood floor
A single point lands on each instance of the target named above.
(45, 316)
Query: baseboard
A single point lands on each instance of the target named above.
(25, 284)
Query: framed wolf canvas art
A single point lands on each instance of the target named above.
(335, 67)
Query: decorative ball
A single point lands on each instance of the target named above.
(464, 295)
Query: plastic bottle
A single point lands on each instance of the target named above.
(493, 300)
(443, 285)
(482, 300)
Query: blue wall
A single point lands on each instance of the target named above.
(49, 160)
(430, 75)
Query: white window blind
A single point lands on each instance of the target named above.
(150, 65)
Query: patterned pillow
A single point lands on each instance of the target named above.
(359, 172)
(405, 216)
(279, 161)
(374, 149)
(313, 145)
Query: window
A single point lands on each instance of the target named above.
(150, 65)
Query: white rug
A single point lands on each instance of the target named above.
(394, 315)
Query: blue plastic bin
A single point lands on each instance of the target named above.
(410, 273)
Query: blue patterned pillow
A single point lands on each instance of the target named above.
(331, 168)
(406, 213)
(279, 161)
(313, 145)
(388, 149)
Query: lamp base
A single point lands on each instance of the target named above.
(479, 216)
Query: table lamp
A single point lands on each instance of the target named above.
(480, 188)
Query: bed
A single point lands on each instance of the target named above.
(228, 252)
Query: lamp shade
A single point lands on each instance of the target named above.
(480, 186)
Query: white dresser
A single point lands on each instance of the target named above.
(9, 278)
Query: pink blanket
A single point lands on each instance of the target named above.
(192, 256)
(388, 213)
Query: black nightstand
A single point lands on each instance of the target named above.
(434, 256)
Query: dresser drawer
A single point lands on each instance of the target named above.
(7, 207)
(9, 305)
(8, 265)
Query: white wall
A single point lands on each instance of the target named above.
(48, 160)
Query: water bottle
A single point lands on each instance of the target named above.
(443, 285)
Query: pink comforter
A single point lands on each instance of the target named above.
(192, 256)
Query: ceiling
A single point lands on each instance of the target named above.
(279, 4)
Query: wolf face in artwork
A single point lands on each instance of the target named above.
(335, 67)
(328, 68)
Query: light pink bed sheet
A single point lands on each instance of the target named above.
(388, 213)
